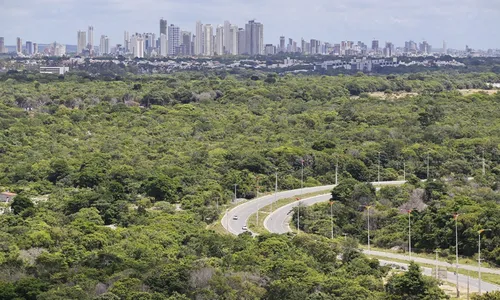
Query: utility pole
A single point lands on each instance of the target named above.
(437, 266)
(428, 158)
(456, 251)
(298, 216)
(331, 215)
(409, 233)
(378, 173)
(275, 191)
(235, 197)
(337, 173)
(302, 176)
(368, 208)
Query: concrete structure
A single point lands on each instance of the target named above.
(163, 27)
(19, 45)
(7, 197)
(29, 48)
(104, 47)
(81, 42)
(226, 40)
(282, 47)
(137, 45)
(198, 39)
(219, 40)
(269, 49)
(2, 45)
(90, 45)
(254, 38)
(126, 41)
(54, 70)
(186, 43)
(163, 45)
(35, 48)
(242, 38)
(208, 33)
(375, 45)
(173, 39)
(233, 40)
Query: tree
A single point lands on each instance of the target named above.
(20, 203)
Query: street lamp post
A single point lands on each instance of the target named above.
(368, 208)
(409, 233)
(298, 216)
(456, 251)
(331, 215)
(275, 191)
(479, 256)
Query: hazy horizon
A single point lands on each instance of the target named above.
(459, 23)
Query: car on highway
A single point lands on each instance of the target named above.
(235, 218)
(244, 228)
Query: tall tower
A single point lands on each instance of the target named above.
(186, 42)
(242, 38)
(219, 40)
(282, 44)
(233, 37)
(82, 42)
(19, 45)
(173, 39)
(29, 48)
(198, 40)
(445, 49)
(163, 27)
(2, 45)
(255, 38)
(91, 40)
(208, 32)
(137, 45)
(227, 37)
(126, 41)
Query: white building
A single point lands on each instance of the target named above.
(254, 38)
(91, 40)
(82, 42)
(137, 45)
(173, 39)
(163, 45)
(219, 40)
(104, 45)
(59, 49)
(226, 38)
(233, 40)
(242, 38)
(126, 41)
(208, 33)
(54, 70)
(198, 40)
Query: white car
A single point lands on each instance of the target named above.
(235, 218)
(244, 228)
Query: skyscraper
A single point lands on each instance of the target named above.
(242, 38)
(19, 45)
(226, 42)
(255, 38)
(29, 48)
(219, 40)
(198, 40)
(90, 46)
(173, 39)
(104, 45)
(35, 48)
(2, 45)
(282, 44)
(375, 45)
(208, 32)
(163, 27)
(137, 45)
(126, 41)
(233, 40)
(445, 49)
(186, 42)
(82, 42)
(163, 45)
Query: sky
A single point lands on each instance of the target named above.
(459, 22)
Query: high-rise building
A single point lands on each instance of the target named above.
(163, 45)
(303, 46)
(375, 45)
(389, 49)
(126, 41)
(137, 45)
(163, 27)
(35, 48)
(208, 33)
(219, 40)
(19, 45)
(242, 38)
(173, 39)
(186, 43)
(29, 48)
(282, 44)
(90, 45)
(445, 49)
(269, 49)
(2, 45)
(226, 38)
(104, 46)
(233, 40)
(198, 40)
(255, 38)
(82, 42)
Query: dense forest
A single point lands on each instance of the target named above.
(117, 180)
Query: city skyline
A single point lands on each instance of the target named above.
(331, 21)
